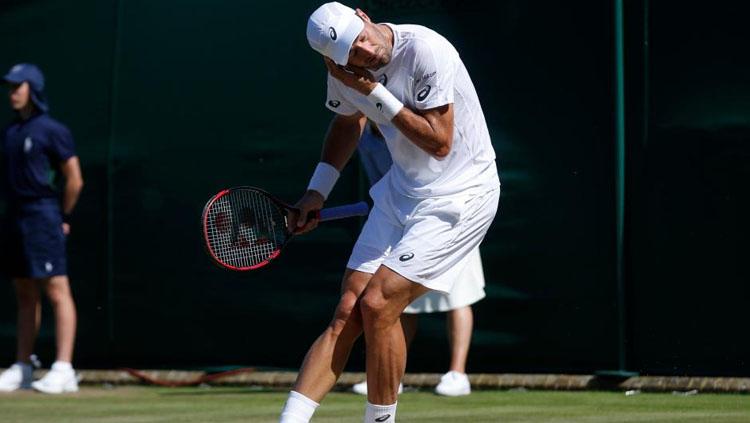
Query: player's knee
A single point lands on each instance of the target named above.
(347, 314)
(58, 294)
(376, 310)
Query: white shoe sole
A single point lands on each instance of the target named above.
(23, 386)
(68, 388)
(453, 393)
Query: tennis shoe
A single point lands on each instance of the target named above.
(453, 384)
(361, 388)
(61, 378)
(17, 376)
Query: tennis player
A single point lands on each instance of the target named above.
(35, 147)
(432, 208)
(376, 161)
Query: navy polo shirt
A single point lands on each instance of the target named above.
(32, 151)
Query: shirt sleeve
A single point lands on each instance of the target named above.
(61, 146)
(434, 76)
(335, 101)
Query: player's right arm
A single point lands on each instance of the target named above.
(340, 142)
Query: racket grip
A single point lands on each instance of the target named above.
(341, 212)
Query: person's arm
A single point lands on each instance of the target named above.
(430, 129)
(340, 143)
(71, 170)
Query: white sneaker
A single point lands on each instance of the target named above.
(60, 378)
(17, 376)
(361, 388)
(453, 384)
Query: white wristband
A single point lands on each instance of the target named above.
(384, 101)
(323, 179)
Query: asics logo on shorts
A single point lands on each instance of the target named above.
(406, 257)
(27, 144)
(334, 103)
(383, 418)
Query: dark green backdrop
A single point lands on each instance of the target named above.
(170, 101)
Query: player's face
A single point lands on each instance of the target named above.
(371, 49)
(19, 95)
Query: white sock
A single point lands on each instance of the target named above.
(298, 409)
(61, 365)
(380, 413)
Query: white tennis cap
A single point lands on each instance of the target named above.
(332, 29)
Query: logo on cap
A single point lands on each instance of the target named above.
(424, 93)
(332, 33)
(334, 103)
(16, 68)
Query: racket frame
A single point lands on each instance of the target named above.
(206, 243)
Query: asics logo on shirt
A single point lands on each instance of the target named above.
(406, 257)
(332, 33)
(334, 103)
(424, 93)
(383, 79)
(383, 418)
(27, 144)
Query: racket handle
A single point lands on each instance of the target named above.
(340, 212)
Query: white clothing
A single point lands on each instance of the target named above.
(468, 289)
(426, 72)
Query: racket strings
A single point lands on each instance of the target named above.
(245, 229)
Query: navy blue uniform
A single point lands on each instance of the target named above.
(32, 152)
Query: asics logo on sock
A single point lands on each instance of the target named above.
(383, 418)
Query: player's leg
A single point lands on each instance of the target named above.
(29, 315)
(329, 353)
(63, 306)
(61, 377)
(460, 323)
(382, 303)
(18, 375)
(409, 324)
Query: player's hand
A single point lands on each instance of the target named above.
(297, 221)
(354, 77)
(66, 229)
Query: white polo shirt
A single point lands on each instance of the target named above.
(426, 72)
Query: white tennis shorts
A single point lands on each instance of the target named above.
(468, 289)
(425, 240)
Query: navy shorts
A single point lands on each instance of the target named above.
(33, 241)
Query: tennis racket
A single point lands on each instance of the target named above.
(244, 228)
